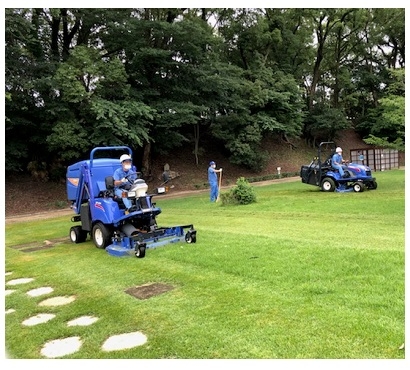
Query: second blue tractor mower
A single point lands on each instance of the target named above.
(320, 173)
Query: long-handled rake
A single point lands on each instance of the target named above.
(219, 187)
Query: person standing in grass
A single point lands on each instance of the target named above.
(213, 180)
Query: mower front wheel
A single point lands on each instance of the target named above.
(101, 235)
(140, 251)
(358, 187)
(328, 184)
(190, 237)
(372, 185)
(77, 234)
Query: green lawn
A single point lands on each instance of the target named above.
(301, 274)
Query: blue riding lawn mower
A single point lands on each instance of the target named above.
(102, 215)
(320, 173)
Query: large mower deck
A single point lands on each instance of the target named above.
(124, 246)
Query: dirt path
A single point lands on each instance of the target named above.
(180, 194)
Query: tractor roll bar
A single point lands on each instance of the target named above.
(99, 148)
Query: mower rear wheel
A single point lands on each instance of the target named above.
(101, 235)
(77, 234)
(328, 184)
(140, 252)
(358, 187)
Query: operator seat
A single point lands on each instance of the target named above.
(109, 192)
(109, 184)
(327, 164)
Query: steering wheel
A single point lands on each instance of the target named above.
(129, 175)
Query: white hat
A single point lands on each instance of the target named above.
(338, 149)
(125, 157)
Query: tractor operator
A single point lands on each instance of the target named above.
(123, 178)
(338, 161)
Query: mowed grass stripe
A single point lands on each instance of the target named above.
(268, 280)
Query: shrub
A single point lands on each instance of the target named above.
(242, 193)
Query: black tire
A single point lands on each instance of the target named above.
(140, 252)
(358, 187)
(77, 234)
(101, 235)
(190, 238)
(328, 184)
(374, 185)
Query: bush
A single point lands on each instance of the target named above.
(242, 193)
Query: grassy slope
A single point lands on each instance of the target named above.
(192, 176)
(280, 154)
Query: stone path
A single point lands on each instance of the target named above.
(57, 348)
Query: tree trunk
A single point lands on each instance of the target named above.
(196, 139)
(146, 162)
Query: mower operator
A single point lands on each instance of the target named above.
(213, 180)
(337, 162)
(123, 178)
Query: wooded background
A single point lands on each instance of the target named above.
(158, 79)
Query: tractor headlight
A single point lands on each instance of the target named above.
(132, 194)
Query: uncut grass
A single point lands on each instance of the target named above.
(295, 275)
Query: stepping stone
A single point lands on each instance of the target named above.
(57, 301)
(19, 281)
(124, 341)
(10, 310)
(82, 321)
(8, 273)
(61, 347)
(39, 291)
(9, 291)
(38, 319)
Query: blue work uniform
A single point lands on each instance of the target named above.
(336, 159)
(213, 182)
(119, 174)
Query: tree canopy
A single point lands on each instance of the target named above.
(157, 79)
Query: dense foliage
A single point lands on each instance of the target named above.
(241, 193)
(157, 79)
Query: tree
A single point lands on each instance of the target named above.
(387, 128)
(98, 108)
(159, 78)
(26, 72)
(272, 104)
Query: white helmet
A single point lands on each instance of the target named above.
(125, 157)
(338, 150)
